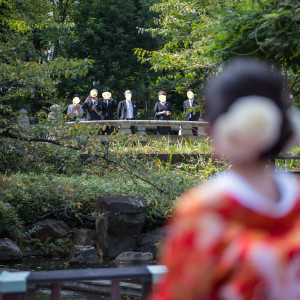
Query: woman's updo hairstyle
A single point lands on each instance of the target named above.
(249, 77)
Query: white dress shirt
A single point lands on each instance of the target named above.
(129, 113)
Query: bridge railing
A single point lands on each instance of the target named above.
(184, 128)
(22, 285)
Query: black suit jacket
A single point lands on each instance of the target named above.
(159, 108)
(91, 114)
(190, 116)
(107, 108)
(122, 110)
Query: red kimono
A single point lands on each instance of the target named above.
(229, 242)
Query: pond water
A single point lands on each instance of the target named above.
(45, 294)
(33, 263)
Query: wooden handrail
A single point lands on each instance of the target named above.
(12, 285)
(88, 274)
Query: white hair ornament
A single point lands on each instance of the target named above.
(250, 126)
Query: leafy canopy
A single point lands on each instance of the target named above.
(26, 69)
(199, 35)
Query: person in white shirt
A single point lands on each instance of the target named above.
(75, 110)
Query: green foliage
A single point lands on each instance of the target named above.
(63, 179)
(43, 248)
(290, 164)
(199, 35)
(58, 169)
(123, 146)
(106, 32)
(28, 70)
(9, 220)
(266, 28)
(183, 27)
(49, 146)
(36, 196)
(118, 170)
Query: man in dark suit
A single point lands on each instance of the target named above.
(190, 115)
(90, 104)
(107, 105)
(127, 109)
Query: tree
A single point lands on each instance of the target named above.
(106, 31)
(182, 27)
(265, 29)
(26, 69)
(198, 36)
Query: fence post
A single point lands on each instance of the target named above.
(115, 290)
(55, 291)
(13, 285)
(141, 130)
(125, 128)
(157, 272)
(186, 130)
(147, 289)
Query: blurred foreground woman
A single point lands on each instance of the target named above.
(237, 236)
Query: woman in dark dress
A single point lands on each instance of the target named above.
(162, 111)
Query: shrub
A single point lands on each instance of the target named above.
(9, 221)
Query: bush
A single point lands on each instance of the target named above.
(9, 221)
(65, 184)
(37, 196)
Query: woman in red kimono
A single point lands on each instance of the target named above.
(237, 236)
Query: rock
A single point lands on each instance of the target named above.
(59, 251)
(134, 257)
(84, 255)
(9, 251)
(83, 237)
(119, 224)
(53, 228)
(150, 241)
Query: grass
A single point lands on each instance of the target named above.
(126, 145)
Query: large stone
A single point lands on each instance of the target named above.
(83, 237)
(53, 228)
(9, 251)
(150, 242)
(119, 224)
(59, 251)
(86, 255)
(134, 257)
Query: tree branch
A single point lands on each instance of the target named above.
(18, 136)
(134, 174)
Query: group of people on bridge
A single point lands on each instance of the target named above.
(104, 108)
